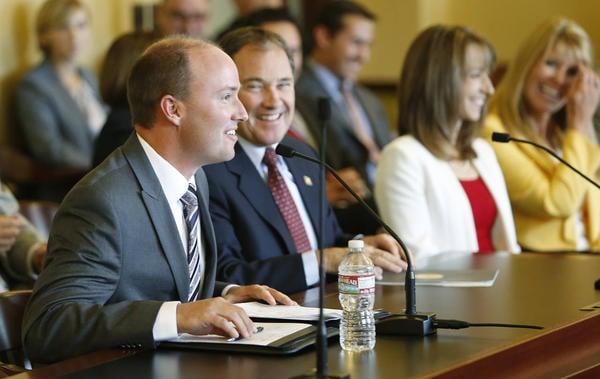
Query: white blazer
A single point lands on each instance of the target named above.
(421, 198)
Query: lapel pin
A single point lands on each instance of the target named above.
(307, 180)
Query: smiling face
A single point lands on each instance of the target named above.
(349, 49)
(212, 110)
(267, 93)
(477, 86)
(65, 42)
(549, 80)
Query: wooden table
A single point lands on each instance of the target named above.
(539, 289)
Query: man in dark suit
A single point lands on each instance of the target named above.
(265, 208)
(132, 255)
(358, 129)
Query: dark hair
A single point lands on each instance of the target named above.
(162, 69)
(119, 59)
(431, 87)
(235, 40)
(266, 15)
(331, 17)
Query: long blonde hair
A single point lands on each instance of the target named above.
(430, 90)
(509, 102)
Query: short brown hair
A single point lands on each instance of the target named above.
(54, 14)
(430, 90)
(162, 69)
(119, 59)
(234, 41)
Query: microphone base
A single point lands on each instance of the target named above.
(313, 374)
(419, 324)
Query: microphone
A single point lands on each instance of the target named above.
(505, 138)
(410, 323)
(322, 370)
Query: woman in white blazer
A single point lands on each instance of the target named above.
(438, 185)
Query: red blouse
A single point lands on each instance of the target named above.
(484, 212)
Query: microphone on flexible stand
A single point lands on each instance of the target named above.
(322, 371)
(410, 323)
(505, 138)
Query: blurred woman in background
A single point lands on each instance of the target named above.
(119, 60)
(58, 105)
(438, 185)
(549, 96)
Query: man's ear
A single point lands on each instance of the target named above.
(172, 109)
(322, 36)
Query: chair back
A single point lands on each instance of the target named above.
(12, 308)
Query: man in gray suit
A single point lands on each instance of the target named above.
(22, 249)
(132, 250)
(342, 38)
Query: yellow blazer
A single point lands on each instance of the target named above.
(546, 195)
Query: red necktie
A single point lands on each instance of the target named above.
(285, 202)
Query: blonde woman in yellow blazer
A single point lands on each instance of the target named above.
(549, 96)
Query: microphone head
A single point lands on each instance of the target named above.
(324, 108)
(284, 151)
(500, 137)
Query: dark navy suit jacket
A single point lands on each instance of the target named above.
(253, 243)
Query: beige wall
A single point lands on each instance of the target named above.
(503, 22)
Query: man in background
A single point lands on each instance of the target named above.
(185, 17)
(358, 129)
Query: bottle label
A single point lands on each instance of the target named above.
(356, 284)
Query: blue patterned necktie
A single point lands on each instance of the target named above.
(192, 221)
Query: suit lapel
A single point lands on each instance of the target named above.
(255, 190)
(308, 186)
(160, 214)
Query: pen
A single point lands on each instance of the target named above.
(232, 339)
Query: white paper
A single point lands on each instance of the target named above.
(271, 332)
(445, 278)
(288, 312)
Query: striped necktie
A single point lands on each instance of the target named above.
(192, 221)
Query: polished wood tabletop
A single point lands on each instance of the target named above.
(548, 290)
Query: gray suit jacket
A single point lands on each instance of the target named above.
(343, 147)
(114, 257)
(55, 130)
(15, 264)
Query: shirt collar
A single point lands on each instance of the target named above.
(330, 81)
(255, 152)
(173, 183)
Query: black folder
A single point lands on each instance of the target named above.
(288, 344)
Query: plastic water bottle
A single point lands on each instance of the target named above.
(356, 284)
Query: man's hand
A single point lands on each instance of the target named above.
(37, 259)
(257, 292)
(10, 227)
(214, 316)
(385, 242)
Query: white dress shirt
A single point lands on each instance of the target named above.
(174, 186)
(309, 258)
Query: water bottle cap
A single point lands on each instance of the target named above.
(356, 244)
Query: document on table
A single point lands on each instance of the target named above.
(444, 278)
(288, 312)
(271, 333)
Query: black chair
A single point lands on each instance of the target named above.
(12, 356)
